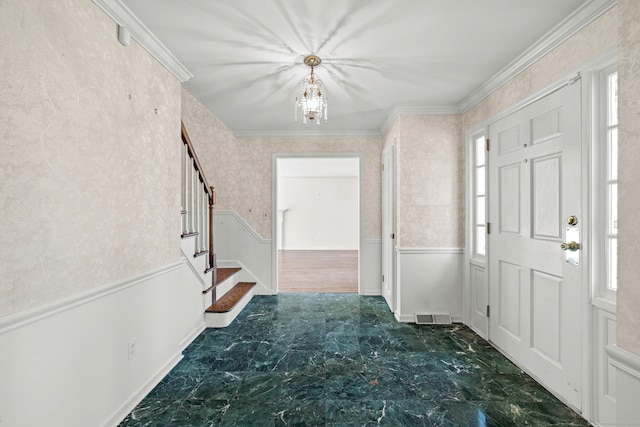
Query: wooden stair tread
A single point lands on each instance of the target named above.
(229, 300)
(223, 274)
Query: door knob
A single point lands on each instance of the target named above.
(571, 246)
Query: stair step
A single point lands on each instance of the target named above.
(229, 300)
(224, 273)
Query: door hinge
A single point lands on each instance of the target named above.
(383, 277)
(488, 144)
(488, 228)
(393, 235)
(382, 167)
(488, 311)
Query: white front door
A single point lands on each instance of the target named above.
(388, 226)
(534, 187)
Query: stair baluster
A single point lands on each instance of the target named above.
(198, 199)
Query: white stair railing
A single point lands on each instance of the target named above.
(197, 200)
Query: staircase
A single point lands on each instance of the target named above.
(228, 295)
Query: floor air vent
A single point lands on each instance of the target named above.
(433, 319)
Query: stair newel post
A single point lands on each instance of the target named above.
(212, 255)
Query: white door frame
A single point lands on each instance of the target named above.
(389, 243)
(274, 207)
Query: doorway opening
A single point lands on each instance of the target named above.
(317, 223)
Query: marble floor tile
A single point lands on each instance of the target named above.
(343, 360)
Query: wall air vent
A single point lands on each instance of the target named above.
(433, 319)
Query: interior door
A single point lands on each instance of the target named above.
(388, 226)
(534, 188)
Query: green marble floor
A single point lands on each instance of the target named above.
(343, 360)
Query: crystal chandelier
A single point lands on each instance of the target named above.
(313, 102)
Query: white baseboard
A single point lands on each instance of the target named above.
(192, 336)
(139, 395)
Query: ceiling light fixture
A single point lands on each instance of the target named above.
(312, 102)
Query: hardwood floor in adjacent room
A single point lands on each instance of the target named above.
(317, 271)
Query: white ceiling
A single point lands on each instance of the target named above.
(378, 56)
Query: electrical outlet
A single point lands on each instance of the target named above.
(131, 347)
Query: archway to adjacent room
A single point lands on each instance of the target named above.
(317, 222)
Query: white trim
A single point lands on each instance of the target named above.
(126, 408)
(25, 317)
(604, 304)
(274, 206)
(191, 336)
(196, 273)
(582, 17)
(419, 250)
(624, 360)
(245, 224)
(123, 16)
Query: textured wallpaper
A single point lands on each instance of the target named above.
(429, 180)
(595, 38)
(88, 173)
(241, 169)
(629, 176)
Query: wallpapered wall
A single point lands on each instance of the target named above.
(629, 175)
(89, 182)
(429, 180)
(241, 169)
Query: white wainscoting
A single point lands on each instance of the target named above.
(429, 280)
(67, 363)
(627, 383)
(237, 244)
(371, 267)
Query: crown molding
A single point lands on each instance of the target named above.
(123, 16)
(300, 134)
(579, 19)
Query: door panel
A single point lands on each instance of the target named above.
(510, 284)
(546, 177)
(510, 214)
(534, 186)
(546, 304)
